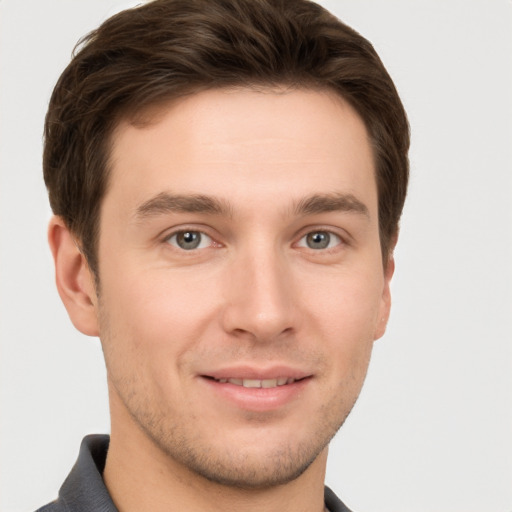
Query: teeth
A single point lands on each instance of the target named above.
(257, 383)
(252, 383)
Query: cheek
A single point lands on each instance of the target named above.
(347, 312)
(348, 301)
(155, 314)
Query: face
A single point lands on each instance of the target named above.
(242, 283)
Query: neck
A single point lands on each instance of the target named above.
(139, 476)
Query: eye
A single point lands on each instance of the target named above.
(319, 240)
(189, 240)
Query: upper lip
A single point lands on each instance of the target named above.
(257, 373)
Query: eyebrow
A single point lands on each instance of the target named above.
(170, 203)
(165, 202)
(323, 203)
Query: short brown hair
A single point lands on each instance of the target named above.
(168, 48)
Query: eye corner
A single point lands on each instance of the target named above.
(189, 240)
(321, 239)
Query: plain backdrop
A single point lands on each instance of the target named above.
(432, 431)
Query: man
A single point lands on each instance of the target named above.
(227, 179)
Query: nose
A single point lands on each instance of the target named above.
(260, 303)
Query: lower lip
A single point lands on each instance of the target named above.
(258, 399)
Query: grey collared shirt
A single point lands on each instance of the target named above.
(84, 489)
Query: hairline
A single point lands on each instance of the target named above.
(150, 113)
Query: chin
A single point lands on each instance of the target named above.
(247, 470)
(259, 458)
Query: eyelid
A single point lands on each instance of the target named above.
(333, 237)
(170, 233)
(201, 245)
(343, 236)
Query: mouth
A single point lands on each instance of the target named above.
(257, 389)
(257, 383)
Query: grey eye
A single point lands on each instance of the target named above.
(189, 240)
(318, 240)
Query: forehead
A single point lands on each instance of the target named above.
(243, 141)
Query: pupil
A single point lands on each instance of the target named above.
(318, 240)
(188, 239)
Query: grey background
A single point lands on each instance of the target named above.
(432, 431)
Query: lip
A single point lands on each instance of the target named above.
(256, 399)
(260, 373)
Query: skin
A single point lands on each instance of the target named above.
(283, 171)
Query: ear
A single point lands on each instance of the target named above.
(74, 279)
(385, 302)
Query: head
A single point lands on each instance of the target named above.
(232, 173)
(150, 55)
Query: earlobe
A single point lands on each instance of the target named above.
(74, 279)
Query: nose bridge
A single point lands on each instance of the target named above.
(260, 293)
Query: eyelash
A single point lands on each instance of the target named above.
(339, 240)
(330, 236)
(176, 234)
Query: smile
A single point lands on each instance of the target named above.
(257, 383)
(257, 390)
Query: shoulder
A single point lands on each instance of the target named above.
(84, 489)
(54, 506)
(333, 503)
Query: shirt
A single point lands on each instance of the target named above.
(84, 489)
